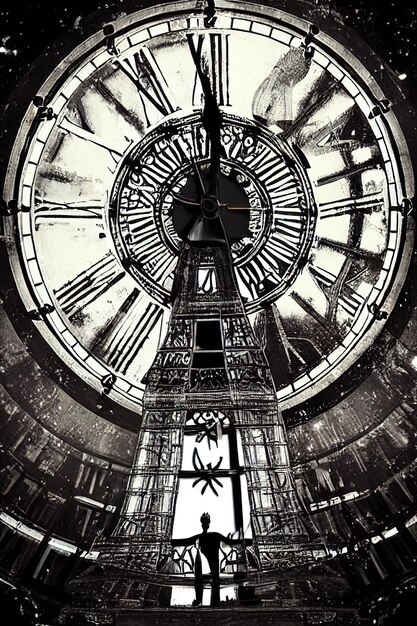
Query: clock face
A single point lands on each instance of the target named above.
(314, 171)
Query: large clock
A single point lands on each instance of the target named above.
(314, 182)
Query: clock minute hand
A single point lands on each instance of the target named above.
(229, 207)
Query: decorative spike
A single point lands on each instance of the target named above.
(377, 312)
(109, 39)
(38, 314)
(107, 383)
(44, 112)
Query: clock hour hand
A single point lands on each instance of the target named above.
(211, 119)
(208, 227)
(199, 177)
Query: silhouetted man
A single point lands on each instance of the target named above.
(209, 545)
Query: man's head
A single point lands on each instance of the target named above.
(205, 521)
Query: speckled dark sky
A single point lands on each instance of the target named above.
(26, 28)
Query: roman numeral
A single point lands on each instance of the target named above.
(351, 302)
(213, 50)
(349, 249)
(323, 277)
(290, 351)
(364, 204)
(320, 96)
(89, 285)
(337, 290)
(115, 148)
(349, 171)
(130, 116)
(145, 73)
(51, 212)
(127, 334)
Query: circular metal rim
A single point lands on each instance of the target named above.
(302, 12)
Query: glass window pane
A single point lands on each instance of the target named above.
(208, 452)
(191, 504)
(208, 335)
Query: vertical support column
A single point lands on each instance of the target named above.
(275, 506)
(147, 516)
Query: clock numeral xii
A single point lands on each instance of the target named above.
(213, 48)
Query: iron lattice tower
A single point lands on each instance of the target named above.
(210, 363)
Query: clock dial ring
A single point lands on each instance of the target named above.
(383, 301)
(156, 173)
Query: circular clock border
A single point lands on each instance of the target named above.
(13, 303)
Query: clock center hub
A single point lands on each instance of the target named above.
(210, 207)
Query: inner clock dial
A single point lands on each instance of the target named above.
(266, 206)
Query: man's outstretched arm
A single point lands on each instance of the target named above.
(236, 542)
(184, 542)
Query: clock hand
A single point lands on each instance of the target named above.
(211, 119)
(208, 227)
(186, 201)
(199, 178)
(243, 208)
(212, 122)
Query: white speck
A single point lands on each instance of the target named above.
(402, 76)
(7, 51)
